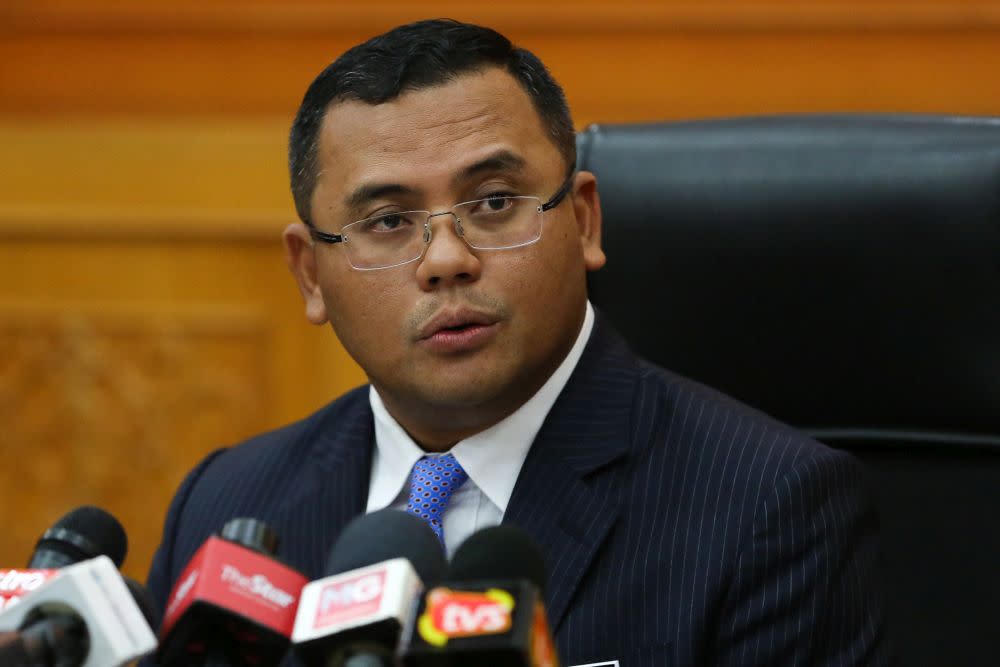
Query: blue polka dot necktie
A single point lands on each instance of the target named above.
(432, 481)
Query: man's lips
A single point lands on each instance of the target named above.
(457, 321)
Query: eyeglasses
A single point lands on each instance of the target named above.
(498, 222)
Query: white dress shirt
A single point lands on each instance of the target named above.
(492, 458)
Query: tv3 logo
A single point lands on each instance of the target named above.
(343, 600)
(452, 614)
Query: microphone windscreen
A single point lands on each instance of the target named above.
(498, 552)
(384, 535)
(85, 532)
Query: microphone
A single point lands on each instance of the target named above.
(376, 570)
(234, 603)
(489, 611)
(83, 533)
(84, 617)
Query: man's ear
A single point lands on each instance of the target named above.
(587, 205)
(300, 253)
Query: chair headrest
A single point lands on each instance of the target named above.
(835, 271)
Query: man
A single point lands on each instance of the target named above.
(446, 237)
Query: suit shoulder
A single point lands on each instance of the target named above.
(258, 472)
(296, 441)
(256, 477)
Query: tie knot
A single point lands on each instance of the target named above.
(432, 482)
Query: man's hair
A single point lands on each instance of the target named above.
(410, 57)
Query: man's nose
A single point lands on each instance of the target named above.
(448, 259)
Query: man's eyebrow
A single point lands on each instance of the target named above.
(372, 191)
(503, 160)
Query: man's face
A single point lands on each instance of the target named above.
(460, 335)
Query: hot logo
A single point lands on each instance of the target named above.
(23, 581)
(15, 584)
(349, 599)
(451, 614)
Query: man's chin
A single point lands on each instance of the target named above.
(460, 396)
(461, 401)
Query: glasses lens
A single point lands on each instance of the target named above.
(500, 222)
(385, 240)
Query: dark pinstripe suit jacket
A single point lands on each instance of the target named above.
(679, 526)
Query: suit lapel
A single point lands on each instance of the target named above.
(333, 488)
(565, 496)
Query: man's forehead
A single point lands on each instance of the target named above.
(466, 114)
(463, 94)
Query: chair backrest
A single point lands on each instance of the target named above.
(843, 274)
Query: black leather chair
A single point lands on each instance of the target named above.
(841, 273)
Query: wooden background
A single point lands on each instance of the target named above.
(146, 316)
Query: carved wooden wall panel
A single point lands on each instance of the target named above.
(109, 405)
(123, 361)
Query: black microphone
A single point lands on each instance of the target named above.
(489, 611)
(84, 613)
(83, 533)
(85, 617)
(376, 570)
(234, 603)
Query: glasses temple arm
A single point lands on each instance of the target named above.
(561, 192)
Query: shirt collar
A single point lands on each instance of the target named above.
(492, 458)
